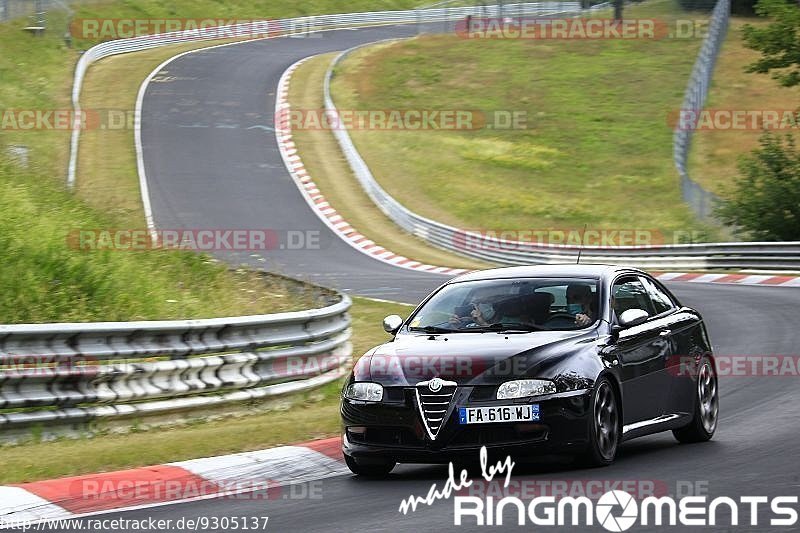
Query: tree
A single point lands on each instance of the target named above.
(778, 42)
(765, 201)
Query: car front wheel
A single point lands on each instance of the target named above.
(603, 426)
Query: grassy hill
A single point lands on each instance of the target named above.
(596, 150)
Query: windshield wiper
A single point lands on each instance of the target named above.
(434, 329)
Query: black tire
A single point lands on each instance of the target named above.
(604, 426)
(706, 407)
(372, 468)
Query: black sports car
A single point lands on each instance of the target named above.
(530, 360)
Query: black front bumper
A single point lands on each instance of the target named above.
(394, 428)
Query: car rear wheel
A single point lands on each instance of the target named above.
(706, 408)
(603, 426)
(369, 467)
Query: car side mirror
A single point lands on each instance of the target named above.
(633, 317)
(392, 323)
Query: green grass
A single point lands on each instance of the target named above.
(42, 279)
(315, 415)
(36, 73)
(597, 149)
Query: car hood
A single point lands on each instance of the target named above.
(476, 358)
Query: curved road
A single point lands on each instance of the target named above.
(212, 161)
(208, 167)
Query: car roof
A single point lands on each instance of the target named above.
(570, 270)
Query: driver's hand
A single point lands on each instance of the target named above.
(582, 320)
(456, 320)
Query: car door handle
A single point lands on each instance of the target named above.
(665, 332)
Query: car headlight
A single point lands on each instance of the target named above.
(523, 388)
(365, 391)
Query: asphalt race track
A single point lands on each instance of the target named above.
(207, 169)
(212, 161)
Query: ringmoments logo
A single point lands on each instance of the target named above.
(617, 510)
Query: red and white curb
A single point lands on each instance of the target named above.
(732, 279)
(315, 199)
(259, 473)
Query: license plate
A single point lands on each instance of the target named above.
(500, 413)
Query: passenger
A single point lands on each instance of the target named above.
(579, 303)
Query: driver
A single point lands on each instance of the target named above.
(579, 303)
(481, 314)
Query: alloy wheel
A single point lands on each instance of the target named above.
(606, 418)
(707, 397)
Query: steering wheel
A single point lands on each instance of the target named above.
(561, 314)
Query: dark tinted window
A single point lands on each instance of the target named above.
(661, 302)
(629, 293)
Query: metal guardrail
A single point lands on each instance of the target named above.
(274, 28)
(699, 199)
(72, 374)
(737, 255)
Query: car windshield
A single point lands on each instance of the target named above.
(528, 304)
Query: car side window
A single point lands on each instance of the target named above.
(661, 302)
(630, 293)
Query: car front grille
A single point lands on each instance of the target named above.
(433, 406)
